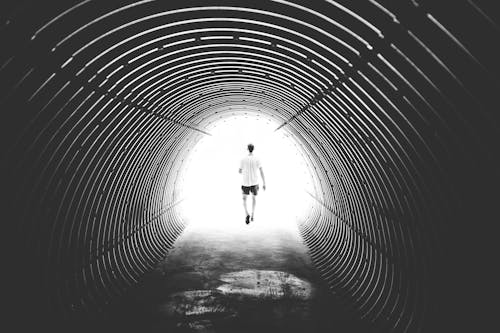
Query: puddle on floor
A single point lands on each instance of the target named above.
(245, 296)
(260, 283)
(195, 303)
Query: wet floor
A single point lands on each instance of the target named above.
(234, 278)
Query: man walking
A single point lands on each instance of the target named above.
(249, 166)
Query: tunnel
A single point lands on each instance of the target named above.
(391, 103)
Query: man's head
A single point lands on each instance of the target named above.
(250, 147)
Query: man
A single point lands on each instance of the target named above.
(248, 168)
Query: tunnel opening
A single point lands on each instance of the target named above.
(210, 183)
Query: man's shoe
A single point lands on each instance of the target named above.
(247, 219)
(251, 219)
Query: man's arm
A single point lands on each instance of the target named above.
(263, 179)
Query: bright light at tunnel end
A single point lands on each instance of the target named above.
(210, 185)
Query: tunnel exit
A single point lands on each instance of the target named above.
(210, 184)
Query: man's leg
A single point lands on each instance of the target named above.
(245, 195)
(254, 198)
(245, 203)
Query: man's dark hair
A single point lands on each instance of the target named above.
(250, 147)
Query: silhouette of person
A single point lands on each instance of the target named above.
(249, 167)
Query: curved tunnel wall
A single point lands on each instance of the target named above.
(394, 104)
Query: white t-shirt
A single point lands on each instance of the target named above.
(250, 169)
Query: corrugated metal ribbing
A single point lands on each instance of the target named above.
(393, 104)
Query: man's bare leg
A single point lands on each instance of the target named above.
(245, 206)
(245, 203)
(253, 205)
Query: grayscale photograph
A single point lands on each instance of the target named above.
(237, 166)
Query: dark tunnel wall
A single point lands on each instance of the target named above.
(394, 104)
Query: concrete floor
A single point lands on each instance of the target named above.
(234, 277)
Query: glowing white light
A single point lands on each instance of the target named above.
(211, 185)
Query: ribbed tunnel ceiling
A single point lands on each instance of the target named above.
(393, 103)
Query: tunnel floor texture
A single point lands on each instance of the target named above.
(234, 278)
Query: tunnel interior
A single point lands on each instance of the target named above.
(393, 106)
